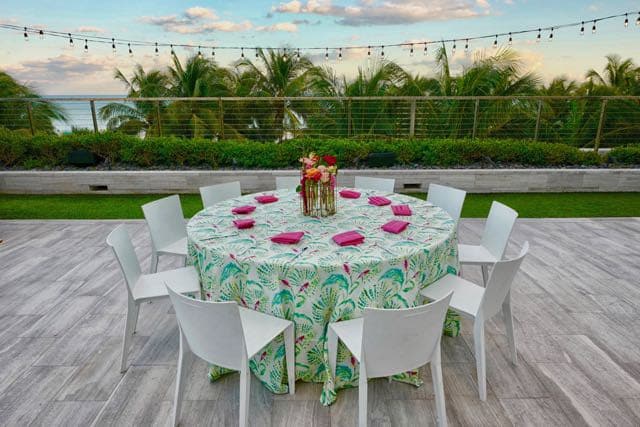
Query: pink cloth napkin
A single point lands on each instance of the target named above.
(395, 226)
(402, 210)
(244, 223)
(349, 194)
(266, 199)
(348, 238)
(243, 209)
(379, 201)
(288, 238)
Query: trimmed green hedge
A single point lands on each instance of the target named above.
(19, 149)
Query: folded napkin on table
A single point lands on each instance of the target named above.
(348, 238)
(266, 199)
(395, 226)
(288, 238)
(379, 201)
(349, 194)
(402, 210)
(243, 223)
(243, 209)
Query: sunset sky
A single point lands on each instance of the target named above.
(51, 67)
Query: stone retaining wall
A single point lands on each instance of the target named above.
(472, 180)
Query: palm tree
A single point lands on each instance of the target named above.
(620, 77)
(14, 115)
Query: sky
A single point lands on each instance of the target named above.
(53, 68)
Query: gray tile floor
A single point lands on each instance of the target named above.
(576, 304)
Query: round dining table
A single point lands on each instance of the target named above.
(315, 282)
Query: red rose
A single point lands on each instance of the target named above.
(330, 160)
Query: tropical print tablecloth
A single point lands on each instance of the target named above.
(315, 281)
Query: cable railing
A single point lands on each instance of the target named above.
(582, 121)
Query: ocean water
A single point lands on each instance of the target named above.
(78, 113)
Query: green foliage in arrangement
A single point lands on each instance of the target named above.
(20, 150)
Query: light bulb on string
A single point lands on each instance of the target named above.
(593, 29)
(213, 52)
(368, 52)
(86, 46)
(539, 36)
(551, 35)
(626, 20)
(113, 46)
(26, 36)
(453, 49)
(130, 51)
(582, 28)
(466, 45)
(284, 55)
(173, 52)
(326, 53)
(256, 53)
(425, 49)
(298, 53)
(242, 52)
(382, 52)
(199, 52)
(411, 50)
(510, 40)
(70, 40)
(495, 42)
(41, 34)
(340, 54)
(157, 52)
(638, 19)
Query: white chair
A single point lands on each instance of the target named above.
(495, 238)
(219, 192)
(380, 184)
(448, 198)
(389, 342)
(226, 335)
(481, 304)
(167, 228)
(287, 182)
(144, 287)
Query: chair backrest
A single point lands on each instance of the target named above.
(448, 198)
(120, 242)
(498, 229)
(212, 329)
(380, 184)
(165, 221)
(399, 340)
(287, 182)
(499, 284)
(219, 192)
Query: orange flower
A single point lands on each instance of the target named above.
(313, 173)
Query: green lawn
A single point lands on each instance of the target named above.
(529, 205)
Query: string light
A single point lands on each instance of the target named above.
(41, 34)
(242, 53)
(173, 52)
(638, 19)
(368, 52)
(539, 36)
(551, 35)
(199, 53)
(425, 49)
(86, 46)
(466, 45)
(340, 54)
(326, 53)
(156, 50)
(593, 29)
(70, 40)
(256, 53)
(130, 51)
(382, 52)
(213, 52)
(284, 55)
(626, 20)
(510, 40)
(453, 49)
(298, 53)
(495, 42)
(411, 50)
(26, 36)
(113, 46)
(582, 29)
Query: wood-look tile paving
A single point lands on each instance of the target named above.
(576, 305)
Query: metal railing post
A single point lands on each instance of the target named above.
(475, 118)
(30, 115)
(349, 123)
(92, 103)
(412, 119)
(158, 122)
(537, 132)
(221, 118)
(596, 144)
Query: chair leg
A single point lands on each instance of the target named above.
(485, 274)
(135, 322)
(290, 355)
(332, 346)
(181, 377)
(154, 262)
(362, 396)
(129, 325)
(245, 392)
(438, 388)
(186, 259)
(508, 321)
(481, 363)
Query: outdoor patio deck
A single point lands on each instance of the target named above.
(62, 306)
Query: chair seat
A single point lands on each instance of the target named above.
(475, 254)
(466, 297)
(179, 247)
(350, 333)
(260, 329)
(184, 280)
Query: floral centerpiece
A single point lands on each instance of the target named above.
(318, 185)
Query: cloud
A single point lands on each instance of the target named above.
(280, 26)
(88, 29)
(387, 12)
(196, 20)
(198, 12)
